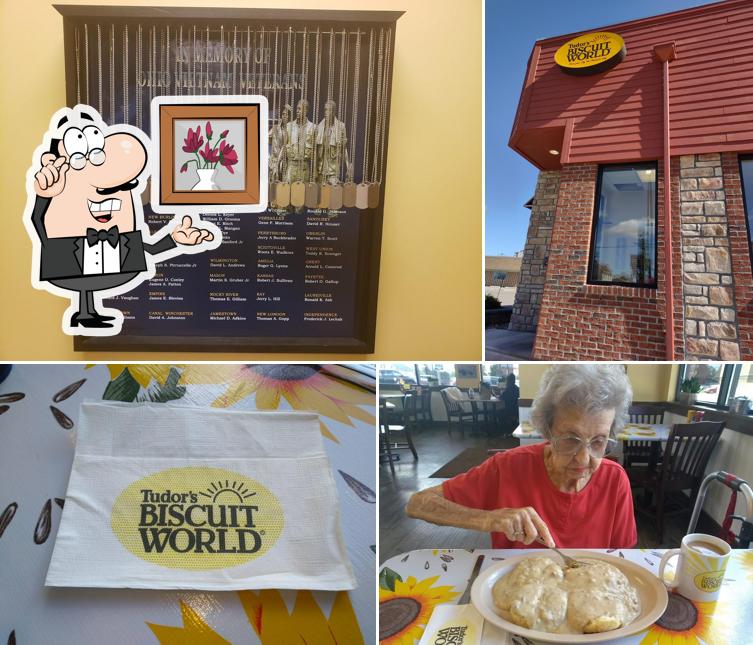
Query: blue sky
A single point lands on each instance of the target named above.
(511, 29)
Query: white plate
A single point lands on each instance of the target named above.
(651, 591)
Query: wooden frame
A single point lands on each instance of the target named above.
(366, 246)
(168, 114)
(643, 165)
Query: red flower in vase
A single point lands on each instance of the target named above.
(209, 130)
(193, 140)
(209, 155)
(228, 156)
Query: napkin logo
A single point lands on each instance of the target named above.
(451, 635)
(197, 518)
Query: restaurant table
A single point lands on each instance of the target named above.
(527, 435)
(653, 432)
(489, 408)
(387, 396)
(631, 432)
(430, 577)
(38, 420)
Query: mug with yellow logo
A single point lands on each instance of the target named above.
(700, 568)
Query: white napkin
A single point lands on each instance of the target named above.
(176, 497)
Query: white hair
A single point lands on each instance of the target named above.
(590, 387)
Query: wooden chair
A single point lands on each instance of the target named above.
(643, 452)
(423, 406)
(397, 437)
(455, 410)
(686, 455)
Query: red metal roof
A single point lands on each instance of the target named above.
(617, 115)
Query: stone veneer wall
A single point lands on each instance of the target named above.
(708, 283)
(525, 312)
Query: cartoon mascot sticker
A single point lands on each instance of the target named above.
(85, 218)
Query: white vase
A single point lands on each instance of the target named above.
(206, 179)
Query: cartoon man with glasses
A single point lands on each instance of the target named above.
(85, 218)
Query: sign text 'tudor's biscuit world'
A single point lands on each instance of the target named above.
(197, 518)
(591, 53)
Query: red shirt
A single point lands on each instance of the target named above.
(600, 516)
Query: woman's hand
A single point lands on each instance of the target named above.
(519, 525)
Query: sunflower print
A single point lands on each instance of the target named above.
(689, 622)
(746, 563)
(405, 611)
(270, 620)
(302, 387)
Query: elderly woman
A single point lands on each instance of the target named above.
(561, 491)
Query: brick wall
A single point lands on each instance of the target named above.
(525, 312)
(581, 321)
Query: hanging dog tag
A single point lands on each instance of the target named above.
(362, 196)
(374, 194)
(349, 194)
(297, 194)
(336, 197)
(282, 195)
(312, 195)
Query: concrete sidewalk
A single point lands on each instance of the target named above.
(503, 344)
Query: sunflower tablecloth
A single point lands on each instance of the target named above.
(38, 417)
(412, 584)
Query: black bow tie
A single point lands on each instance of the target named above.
(111, 235)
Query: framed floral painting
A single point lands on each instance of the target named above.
(209, 154)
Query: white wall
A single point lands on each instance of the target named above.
(505, 295)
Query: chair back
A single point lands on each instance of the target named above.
(451, 406)
(410, 409)
(426, 399)
(646, 413)
(687, 453)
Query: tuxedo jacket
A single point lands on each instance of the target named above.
(63, 257)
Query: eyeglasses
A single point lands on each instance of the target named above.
(572, 445)
(78, 160)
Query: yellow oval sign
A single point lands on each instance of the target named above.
(709, 581)
(591, 53)
(197, 518)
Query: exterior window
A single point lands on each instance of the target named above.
(746, 174)
(499, 276)
(623, 247)
(715, 384)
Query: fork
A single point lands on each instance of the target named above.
(466, 597)
(570, 563)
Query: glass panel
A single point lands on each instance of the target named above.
(746, 171)
(436, 373)
(624, 250)
(397, 374)
(744, 385)
(708, 377)
(441, 374)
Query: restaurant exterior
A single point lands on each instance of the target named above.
(624, 260)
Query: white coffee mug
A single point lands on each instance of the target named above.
(700, 568)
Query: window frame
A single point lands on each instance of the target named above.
(740, 159)
(641, 165)
(727, 385)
